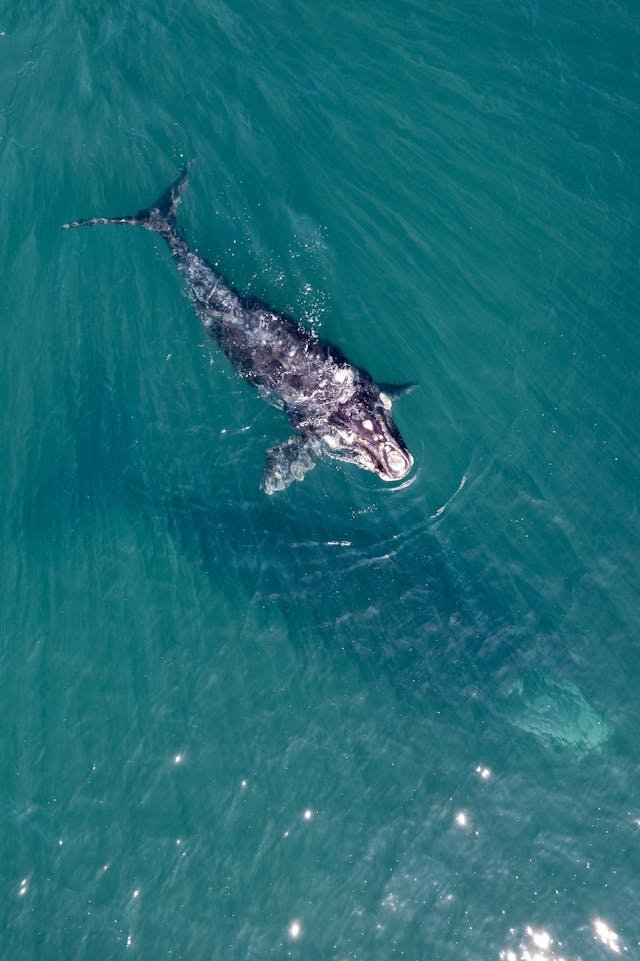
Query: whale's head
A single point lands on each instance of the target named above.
(363, 433)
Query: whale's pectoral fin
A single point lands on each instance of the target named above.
(289, 462)
(394, 391)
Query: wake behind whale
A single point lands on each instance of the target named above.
(335, 407)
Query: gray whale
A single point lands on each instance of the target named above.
(335, 407)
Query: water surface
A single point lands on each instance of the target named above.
(351, 721)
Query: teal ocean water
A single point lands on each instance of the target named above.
(354, 720)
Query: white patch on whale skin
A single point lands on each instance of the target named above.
(342, 375)
(386, 400)
(367, 424)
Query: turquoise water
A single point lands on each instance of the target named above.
(352, 721)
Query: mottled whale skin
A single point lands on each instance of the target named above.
(335, 407)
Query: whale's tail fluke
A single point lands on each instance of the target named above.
(160, 216)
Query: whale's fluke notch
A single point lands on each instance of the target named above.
(167, 203)
(160, 216)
